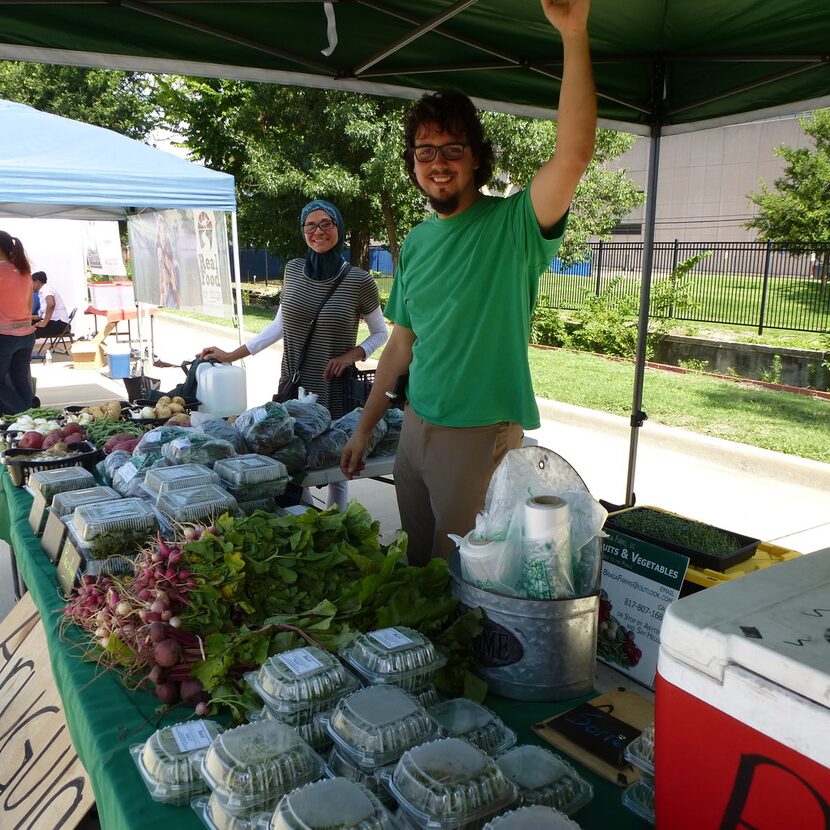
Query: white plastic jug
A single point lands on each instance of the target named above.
(221, 389)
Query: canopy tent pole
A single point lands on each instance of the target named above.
(238, 274)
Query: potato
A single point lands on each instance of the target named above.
(163, 411)
(178, 400)
(176, 408)
(54, 437)
(31, 441)
(164, 400)
(113, 410)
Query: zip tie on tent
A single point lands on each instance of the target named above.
(331, 29)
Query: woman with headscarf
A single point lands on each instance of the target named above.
(332, 348)
(17, 335)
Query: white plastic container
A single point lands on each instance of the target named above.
(178, 477)
(221, 389)
(747, 663)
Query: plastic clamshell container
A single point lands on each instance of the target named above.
(463, 718)
(339, 765)
(333, 804)
(249, 469)
(532, 818)
(301, 683)
(249, 506)
(255, 763)
(427, 696)
(399, 656)
(178, 477)
(314, 732)
(449, 783)
(93, 520)
(63, 504)
(51, 482)
(546, 779)
(640, 752)
(166, 760)
(215, 817)
(639, 798)
(376, 725)
(195, 503)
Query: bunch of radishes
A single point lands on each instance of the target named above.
(134, 621)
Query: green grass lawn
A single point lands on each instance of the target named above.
(780, 421)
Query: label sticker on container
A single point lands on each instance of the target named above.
(260, 414)
(300, 661)
(180, 443)
(390, 638)
(127, 473)
(190, 736)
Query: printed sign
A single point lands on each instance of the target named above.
(639, 581)
(42, 782)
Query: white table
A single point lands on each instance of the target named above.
(376, 468)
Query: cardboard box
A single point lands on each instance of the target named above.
(742, 710)
(87, 354)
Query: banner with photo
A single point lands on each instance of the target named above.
(180, 260)
(103, 249)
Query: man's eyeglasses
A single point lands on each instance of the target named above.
(451, 152)
(310, 227)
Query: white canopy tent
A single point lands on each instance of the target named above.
(56, 168)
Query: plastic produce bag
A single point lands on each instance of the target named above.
(293, 455)
(217, 427)
(155, 439)
(197, 448)
(325, 450)
(265, 428)
(108, 467)
(310, 418)
(348, 423)
(538, 472)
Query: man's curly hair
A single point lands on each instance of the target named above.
(454, 113)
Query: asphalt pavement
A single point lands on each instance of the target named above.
(766, 495)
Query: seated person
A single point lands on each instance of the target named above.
(53, 317)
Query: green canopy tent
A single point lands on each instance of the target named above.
(662, 66)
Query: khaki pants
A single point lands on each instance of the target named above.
(441, 479)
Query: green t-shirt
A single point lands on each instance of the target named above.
(466, 286)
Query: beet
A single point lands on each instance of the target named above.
(157, 632)
(157, 675)
(192, 691)
(168, 692)
(167, 653)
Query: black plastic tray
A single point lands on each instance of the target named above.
(700, 559)
(20, 467)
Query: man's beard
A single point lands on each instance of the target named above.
(444, 206)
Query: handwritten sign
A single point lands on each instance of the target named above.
(42, 782)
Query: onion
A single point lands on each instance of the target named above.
(123, 608)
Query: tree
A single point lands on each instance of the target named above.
(121, 101)
(798, 209)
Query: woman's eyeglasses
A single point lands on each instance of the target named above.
(451, 152)
(310, 227)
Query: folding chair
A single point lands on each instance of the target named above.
(50, 343)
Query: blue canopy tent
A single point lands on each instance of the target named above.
(54, 167)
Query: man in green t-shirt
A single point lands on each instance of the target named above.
(463, 295)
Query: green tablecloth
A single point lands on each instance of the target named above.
(105, 719)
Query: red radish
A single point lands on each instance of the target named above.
(157, 632)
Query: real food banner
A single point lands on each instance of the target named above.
(180, 260)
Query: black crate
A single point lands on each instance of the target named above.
(356, 388)
(20, 467)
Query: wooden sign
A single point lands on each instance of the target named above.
(42, 782)
(69, 566)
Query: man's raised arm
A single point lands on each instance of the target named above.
(553, 186)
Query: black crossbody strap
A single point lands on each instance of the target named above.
(345, 270)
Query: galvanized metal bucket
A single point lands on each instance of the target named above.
(533, 649)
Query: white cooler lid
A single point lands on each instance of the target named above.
(774, 622)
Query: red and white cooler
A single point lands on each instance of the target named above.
(742, 707)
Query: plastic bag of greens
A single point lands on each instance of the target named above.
(265, 428)
(293, 455)
(310, 418)
(219, 428)
(197, 448)
(348, 423)
(129, 480)
(108, 467)
(388, 445)
(325, 450)
(155, 439)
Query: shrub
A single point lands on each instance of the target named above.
(547, 328)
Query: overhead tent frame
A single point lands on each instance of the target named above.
(57, 168)
(662, 67)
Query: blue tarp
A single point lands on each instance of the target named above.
(56, 167)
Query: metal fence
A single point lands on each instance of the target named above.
(738, 283)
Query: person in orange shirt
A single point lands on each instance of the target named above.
(17, 335)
